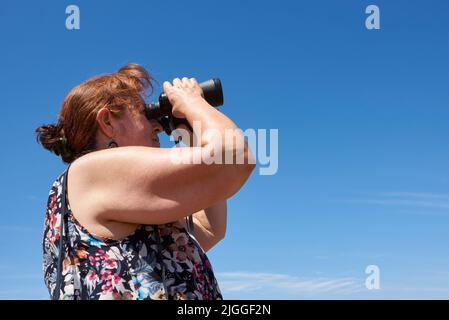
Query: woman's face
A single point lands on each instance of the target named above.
(134, 129)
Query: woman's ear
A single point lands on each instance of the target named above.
(104, 117)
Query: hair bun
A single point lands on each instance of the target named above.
(51, 137)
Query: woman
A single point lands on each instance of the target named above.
(124, 201)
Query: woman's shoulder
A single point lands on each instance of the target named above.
(94, 166)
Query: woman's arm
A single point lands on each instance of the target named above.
(141, 185)
(209, 225)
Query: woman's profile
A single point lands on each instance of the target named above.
(122, 201)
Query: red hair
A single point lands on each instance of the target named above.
(74, 133)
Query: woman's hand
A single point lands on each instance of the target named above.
(183, 94)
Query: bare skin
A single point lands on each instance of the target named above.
(113, 191)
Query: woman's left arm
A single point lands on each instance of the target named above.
(209, 225)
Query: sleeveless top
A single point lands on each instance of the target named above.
(155, 262)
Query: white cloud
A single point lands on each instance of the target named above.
(417, 195)
(408, 200)
(403, 202)
(250, 282)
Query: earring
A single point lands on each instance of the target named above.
(112, 144)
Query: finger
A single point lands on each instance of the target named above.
(192, 84)
(195, 83)
(177, 82)
(187, 82)
(167, 86)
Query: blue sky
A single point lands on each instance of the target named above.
(363, 126)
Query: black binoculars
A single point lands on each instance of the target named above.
(162, 109)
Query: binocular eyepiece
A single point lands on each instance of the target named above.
(162, 109)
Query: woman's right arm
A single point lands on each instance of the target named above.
(143, 185)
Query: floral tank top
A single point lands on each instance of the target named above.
(155, 262)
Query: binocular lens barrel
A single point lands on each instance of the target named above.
(212, 93)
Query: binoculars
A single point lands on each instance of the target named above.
(162, 109)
